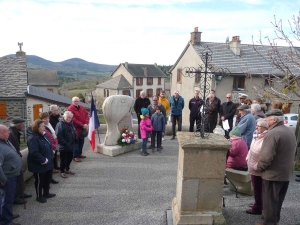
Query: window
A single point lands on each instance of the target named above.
(2, 110)
(197, 78)
(50, 90)
(137, 93)
(294, 118)
(158, 91)
(106, 92)
(139, 82)
(268, 82)
(159, 81)
(126, 92)
(239, 83)
(179, 75)
(149, 81)
(149, 93)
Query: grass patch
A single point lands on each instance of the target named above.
(23, 144)
(102, 120)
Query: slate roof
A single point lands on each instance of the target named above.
(43, 77)
(247, 61)
(116, 83)
(46, 95)
(137, 70)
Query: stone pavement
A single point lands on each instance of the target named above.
(130, 189)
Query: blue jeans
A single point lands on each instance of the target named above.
(8, 190)
(78, 150)
(144, 144)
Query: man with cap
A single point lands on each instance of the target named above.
(276, 164)
(242, 98)
(247, 123)
(17, 125)
(177, 105)
(10, 167)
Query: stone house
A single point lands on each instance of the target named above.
(131, 79)
(44, 79)
(239, 60)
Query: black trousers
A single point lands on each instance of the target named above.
(139, 120)
(65, 161)
(55, 165)
(209, 127)
(175, 118)
(42, 183)
(192, 123)
(158, 136)
(273, 196)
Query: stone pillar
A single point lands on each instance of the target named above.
(200, 179)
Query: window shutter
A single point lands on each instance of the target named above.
(2, 110)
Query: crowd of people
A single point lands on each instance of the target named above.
(47, 137)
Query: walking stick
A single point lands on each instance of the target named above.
(22, 187)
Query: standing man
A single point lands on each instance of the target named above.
(227, 112)
(164, 101)
(247, 124)
(10, 167)
(211, 113)
(81, 121)
(194, 106)
(54, 119)
(218, 101)
(242, 98)
(177, 105)
(140, 102)
(276, 164)
(17, 125)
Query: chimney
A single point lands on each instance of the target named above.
(20, 53)
(195, 37)
(235, 45)
(126, 65)
(145, 71)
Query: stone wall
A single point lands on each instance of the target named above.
(14, 108)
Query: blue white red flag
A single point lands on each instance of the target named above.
(93, 124)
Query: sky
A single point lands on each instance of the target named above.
(135, 31)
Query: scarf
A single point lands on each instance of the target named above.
(52, 130)
(256, 135)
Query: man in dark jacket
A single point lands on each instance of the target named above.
(10, 167)
(194, 106)
(17, 125)
(177, 105)
(227, 112)
(276, 164)
(140, 102)
(54, 115)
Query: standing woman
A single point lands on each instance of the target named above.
(40, 160)
(66, 135)
(252, 160)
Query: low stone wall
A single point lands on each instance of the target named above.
(241, 179)
(27, 174)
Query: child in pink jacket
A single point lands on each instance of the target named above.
(145, 129)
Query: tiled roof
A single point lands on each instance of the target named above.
(248, 60)
(40, 93)
(43, 77)
(137, 70)
(116, 83)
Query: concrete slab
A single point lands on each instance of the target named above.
(118, 150)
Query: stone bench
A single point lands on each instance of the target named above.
(27, 174)
(241, 179)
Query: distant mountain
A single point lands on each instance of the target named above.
(70, 65)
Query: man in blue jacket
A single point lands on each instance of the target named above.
(247, 123)
(10, 167)
(177, 105)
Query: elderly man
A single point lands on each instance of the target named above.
(242, 98)
(81, 121)
(10, 167)
(211, 113)
(276, 164)
(177, 105)
(194, 105)
(141, 102)
(247, 124)
(227, 112)
(17, 125)
(54, 115)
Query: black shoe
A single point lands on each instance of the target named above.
(298, 175)
(15, 216)
(41, 200)
(149, 147)
(173, 137)
(144, 154)
(54, 181)
(297, 179)
(50, 195)
(26, 195)
(19, 201)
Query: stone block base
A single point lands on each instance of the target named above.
(195, 218)
(241, 179)
(117, 150)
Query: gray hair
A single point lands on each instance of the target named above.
(210, 95)
(52, 107)
(263, 122)
(67, 113)
(255, 107)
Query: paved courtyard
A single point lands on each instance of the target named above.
(132, 190)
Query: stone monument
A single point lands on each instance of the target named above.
(117, 111)
(200, 179)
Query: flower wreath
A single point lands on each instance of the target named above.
(127, 137)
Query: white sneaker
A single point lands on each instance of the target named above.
(163, 139)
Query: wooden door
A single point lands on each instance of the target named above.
(37, 108)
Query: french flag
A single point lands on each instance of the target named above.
(93, 124)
